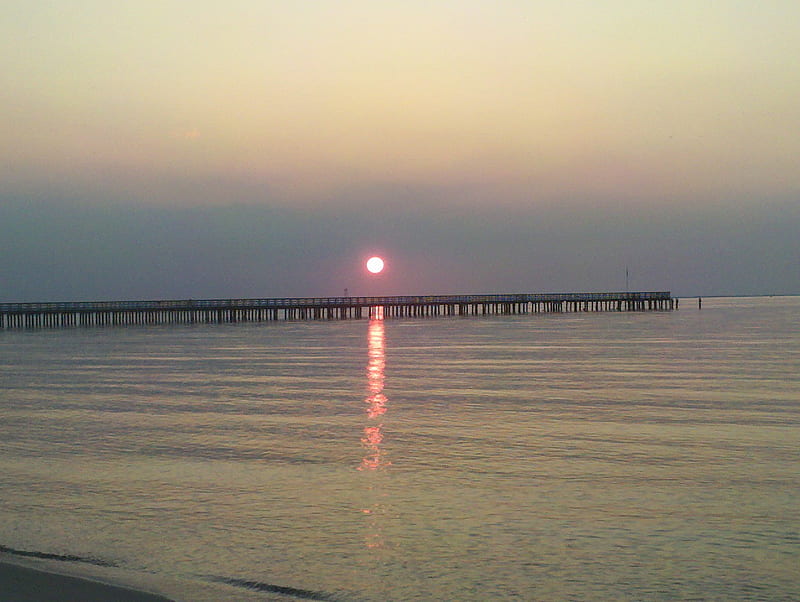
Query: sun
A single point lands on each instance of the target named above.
(375, 265)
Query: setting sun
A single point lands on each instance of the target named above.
(375, 265)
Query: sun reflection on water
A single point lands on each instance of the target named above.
(372, 437)
(374, 460)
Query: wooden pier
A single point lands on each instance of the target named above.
(214, 311)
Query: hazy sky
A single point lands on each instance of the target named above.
(166, 149)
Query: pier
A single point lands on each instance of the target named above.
(215, 311)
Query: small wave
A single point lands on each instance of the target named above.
(61, 557)
(305, 594)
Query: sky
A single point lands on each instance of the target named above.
(209, 149)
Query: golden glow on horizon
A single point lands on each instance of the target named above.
(665, 99)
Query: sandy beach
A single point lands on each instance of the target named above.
(23, 584)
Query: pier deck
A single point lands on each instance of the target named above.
(113, 313)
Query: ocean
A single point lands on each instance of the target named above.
(631, 455)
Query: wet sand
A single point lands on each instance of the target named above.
(23, 584)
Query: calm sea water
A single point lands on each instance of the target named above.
(573, 456)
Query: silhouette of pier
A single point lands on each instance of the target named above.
(214, 311)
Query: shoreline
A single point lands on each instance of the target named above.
(21, 582)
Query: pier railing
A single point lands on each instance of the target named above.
(304, 308)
